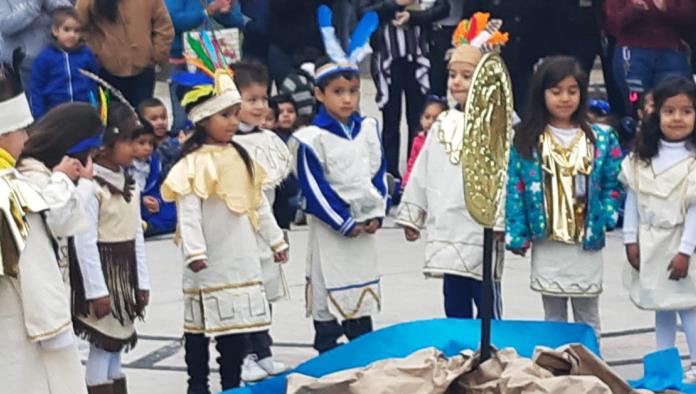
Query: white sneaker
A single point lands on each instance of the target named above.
(272, 367)
(690, 375)
(251, 371)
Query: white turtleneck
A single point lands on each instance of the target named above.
(668, 154)
(564, 136)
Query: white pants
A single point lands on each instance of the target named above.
(102, 367)
(666, 329)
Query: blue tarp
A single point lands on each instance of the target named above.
(451, 336)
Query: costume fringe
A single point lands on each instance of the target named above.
(101, 340)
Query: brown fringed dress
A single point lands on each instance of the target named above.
(109, 260)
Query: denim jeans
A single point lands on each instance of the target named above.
(638, 70)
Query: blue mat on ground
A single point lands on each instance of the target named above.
(451, 336)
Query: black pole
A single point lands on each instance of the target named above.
(486, 311)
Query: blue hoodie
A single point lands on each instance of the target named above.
(56, 79)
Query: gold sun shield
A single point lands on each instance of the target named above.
(487, 138)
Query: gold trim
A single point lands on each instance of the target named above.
(360, 301)
(208, 290)
(198, 330)
(50, 333)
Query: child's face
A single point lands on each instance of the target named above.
(68, 34)
(123, 153)
(13, 142)
(429, 115)
(222, 126)
(459, 80)
(563, 99)
(340, 97)
(269, 121)
(143, 146)
(158, 118)
(287, 116)
(254, 104)
(648, 106)
(677, 117)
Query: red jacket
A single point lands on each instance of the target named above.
(418, 143)
(650, 28)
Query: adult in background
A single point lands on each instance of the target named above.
(188, 15)
(129, 37)
(26, 24)
(608, 43)
(525, 21)
(257, 16)
(573, 31)
(649, 44)
(440, 43)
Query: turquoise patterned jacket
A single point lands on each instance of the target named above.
(524, 207)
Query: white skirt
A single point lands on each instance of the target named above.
(564, 270)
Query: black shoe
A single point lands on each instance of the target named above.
(326, 334)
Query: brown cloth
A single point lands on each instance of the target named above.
(569, 369)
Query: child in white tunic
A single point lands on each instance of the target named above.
(221, 208)
(660, 215)
(271, 153)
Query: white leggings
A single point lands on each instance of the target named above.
(666, 329)
(102, 367)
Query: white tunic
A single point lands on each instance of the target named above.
(434, 200)
(661, 216)
(347, 166)
(271, 153)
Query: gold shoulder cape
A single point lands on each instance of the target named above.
(217, 171)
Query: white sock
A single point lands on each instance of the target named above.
(115, 366)
(688, 318)
(97, 366)
(665, 329)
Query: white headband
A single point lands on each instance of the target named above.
(15, 114)
(214, 105)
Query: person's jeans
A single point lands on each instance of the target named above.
(462, 293)
(440, 43)
(638, 70)
(135, 88)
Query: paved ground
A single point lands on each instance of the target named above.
(157, 365)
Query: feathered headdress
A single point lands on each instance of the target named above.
(476, 36)
(212, 87)
(14, 111)
(358, 47)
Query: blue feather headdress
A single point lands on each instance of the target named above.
(358, 47)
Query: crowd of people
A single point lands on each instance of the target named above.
(92, 165)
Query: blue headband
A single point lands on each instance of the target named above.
(333, 69)
(87, 144)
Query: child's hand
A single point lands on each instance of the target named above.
(679, 267)
(359, 229)
(372, 226)
(411, 234)
(633, 255)
(69, 167)
(87, 171)
(281, 257)
(519, 251)
(198, 265)
(101, 306)
(151, 204)
(142, 299)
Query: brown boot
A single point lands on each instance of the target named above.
(107, 388)
(120, 386)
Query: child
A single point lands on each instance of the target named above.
(434, 199)
(271, 153)
(431, 110)
(39, 352)
(342, 174)
(288, 195)
(55, 75)
(167, 145)
(563, 192)
(269, 121)
(660, 221)
(221, 209)
(285, 110)
(299, 84)
(159, 217)
(110, 278)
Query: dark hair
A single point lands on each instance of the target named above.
(549, 74)
(247, 73)
(197, 139)
(63, 13)
(107, 9)
(642, 98)
(276, 100)
(324, 82)
(60, 129)
(305, 55)
(121, 125)
(432, 99)
(152, 102)
(650, 133)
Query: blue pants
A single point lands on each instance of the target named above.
(638, 70)
(461, 293)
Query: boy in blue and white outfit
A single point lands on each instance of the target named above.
(341, 170)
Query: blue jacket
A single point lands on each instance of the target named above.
(188, 15)
(165, 219)
(56, 79)
(525, 217)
